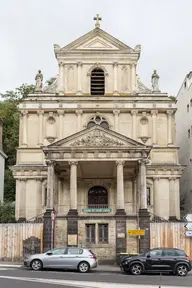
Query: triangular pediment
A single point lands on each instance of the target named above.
(97, 39)
(97, 137)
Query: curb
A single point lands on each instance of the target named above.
(10, 265)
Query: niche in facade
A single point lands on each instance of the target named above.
(51, 128)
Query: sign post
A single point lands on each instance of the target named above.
(188, 226)
(53, 216)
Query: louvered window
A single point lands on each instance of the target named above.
(97, 82)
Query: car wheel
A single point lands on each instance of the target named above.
(136, 269)
(36, 265)
(83, 267)
(182, 270)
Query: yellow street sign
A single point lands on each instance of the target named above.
(136, 232)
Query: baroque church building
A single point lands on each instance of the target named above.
(98, 147)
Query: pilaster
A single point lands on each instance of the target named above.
(116, 115)
(115, 79)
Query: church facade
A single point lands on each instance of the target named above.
(98, 147)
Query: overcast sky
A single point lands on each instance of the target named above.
(29, 28)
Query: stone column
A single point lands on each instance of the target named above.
(73, 188)
(133, 76)
(143, 184)
(61, 113)
(40, 113)
(61, 78)
(115, 79)
(50, 184)
(169, 127)
(134, 124)
(172, 199)
(79, 88)
(134, 195)
(120, 188)
(155, 194)
(116, 115)
(39, 197)
(24, 128)
(20, 199)
(79, 113)
(177, 198)
(154, 128)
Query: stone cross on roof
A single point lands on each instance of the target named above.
(97, 18)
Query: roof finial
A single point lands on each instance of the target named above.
(97, 18)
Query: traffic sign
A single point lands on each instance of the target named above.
(136, 232)
(53, 216)
(188, 217)
(188, 233)
(189, 226)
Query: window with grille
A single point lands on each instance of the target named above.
(90, 233)
(103, 233)
(98, 120)
(97, 82)
(148, 196)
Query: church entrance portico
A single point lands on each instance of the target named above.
(93, 181)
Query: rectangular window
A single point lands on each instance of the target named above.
(148, 196)
(45, 197)
(189, 133)
(191, 102)
(90, 233)
(188, 108)
(103, 233)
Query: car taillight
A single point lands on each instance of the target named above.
(188, 258)
(93, 257)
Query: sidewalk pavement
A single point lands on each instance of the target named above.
(100, 268)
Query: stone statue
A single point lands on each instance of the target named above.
(39, 81)
(155, 81)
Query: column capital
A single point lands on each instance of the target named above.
(115, 64)
(120, 162)
(134, 112)
(50, 163)
(61, 64)
(40, 112)
(154, 112)
(143, 161)
(133, 64)
(116, 112)
(156, 178)
(73, 163)
(170, 112)
(39, 179)
(60, 112)
(79, 112)
(79, 64)
(24, 112)
(172, 178)
(22, 179)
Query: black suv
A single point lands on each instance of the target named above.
(159, 260)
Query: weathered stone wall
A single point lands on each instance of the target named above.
(132, 241)
(60, 232)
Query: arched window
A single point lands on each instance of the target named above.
(98, 120)
(97, 82)
(97, 197)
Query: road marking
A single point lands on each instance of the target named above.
(84, 284)
(10, 266)
(3, 269)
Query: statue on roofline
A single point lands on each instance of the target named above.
(39, 82)
(155, 81)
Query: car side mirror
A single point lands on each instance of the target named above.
(148, 255)
(49, 253)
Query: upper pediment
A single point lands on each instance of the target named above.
(97, 39)
(97, 137)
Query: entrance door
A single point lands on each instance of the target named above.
(154, 260)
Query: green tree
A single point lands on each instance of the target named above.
(7, 213)
(10, 115)
(173, 98)
(50, 81)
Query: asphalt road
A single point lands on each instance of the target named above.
(22, 278)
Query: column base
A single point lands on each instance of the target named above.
(72, 212)
(144, 224)
(22, 219)
(47, 225)
(120, 212)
